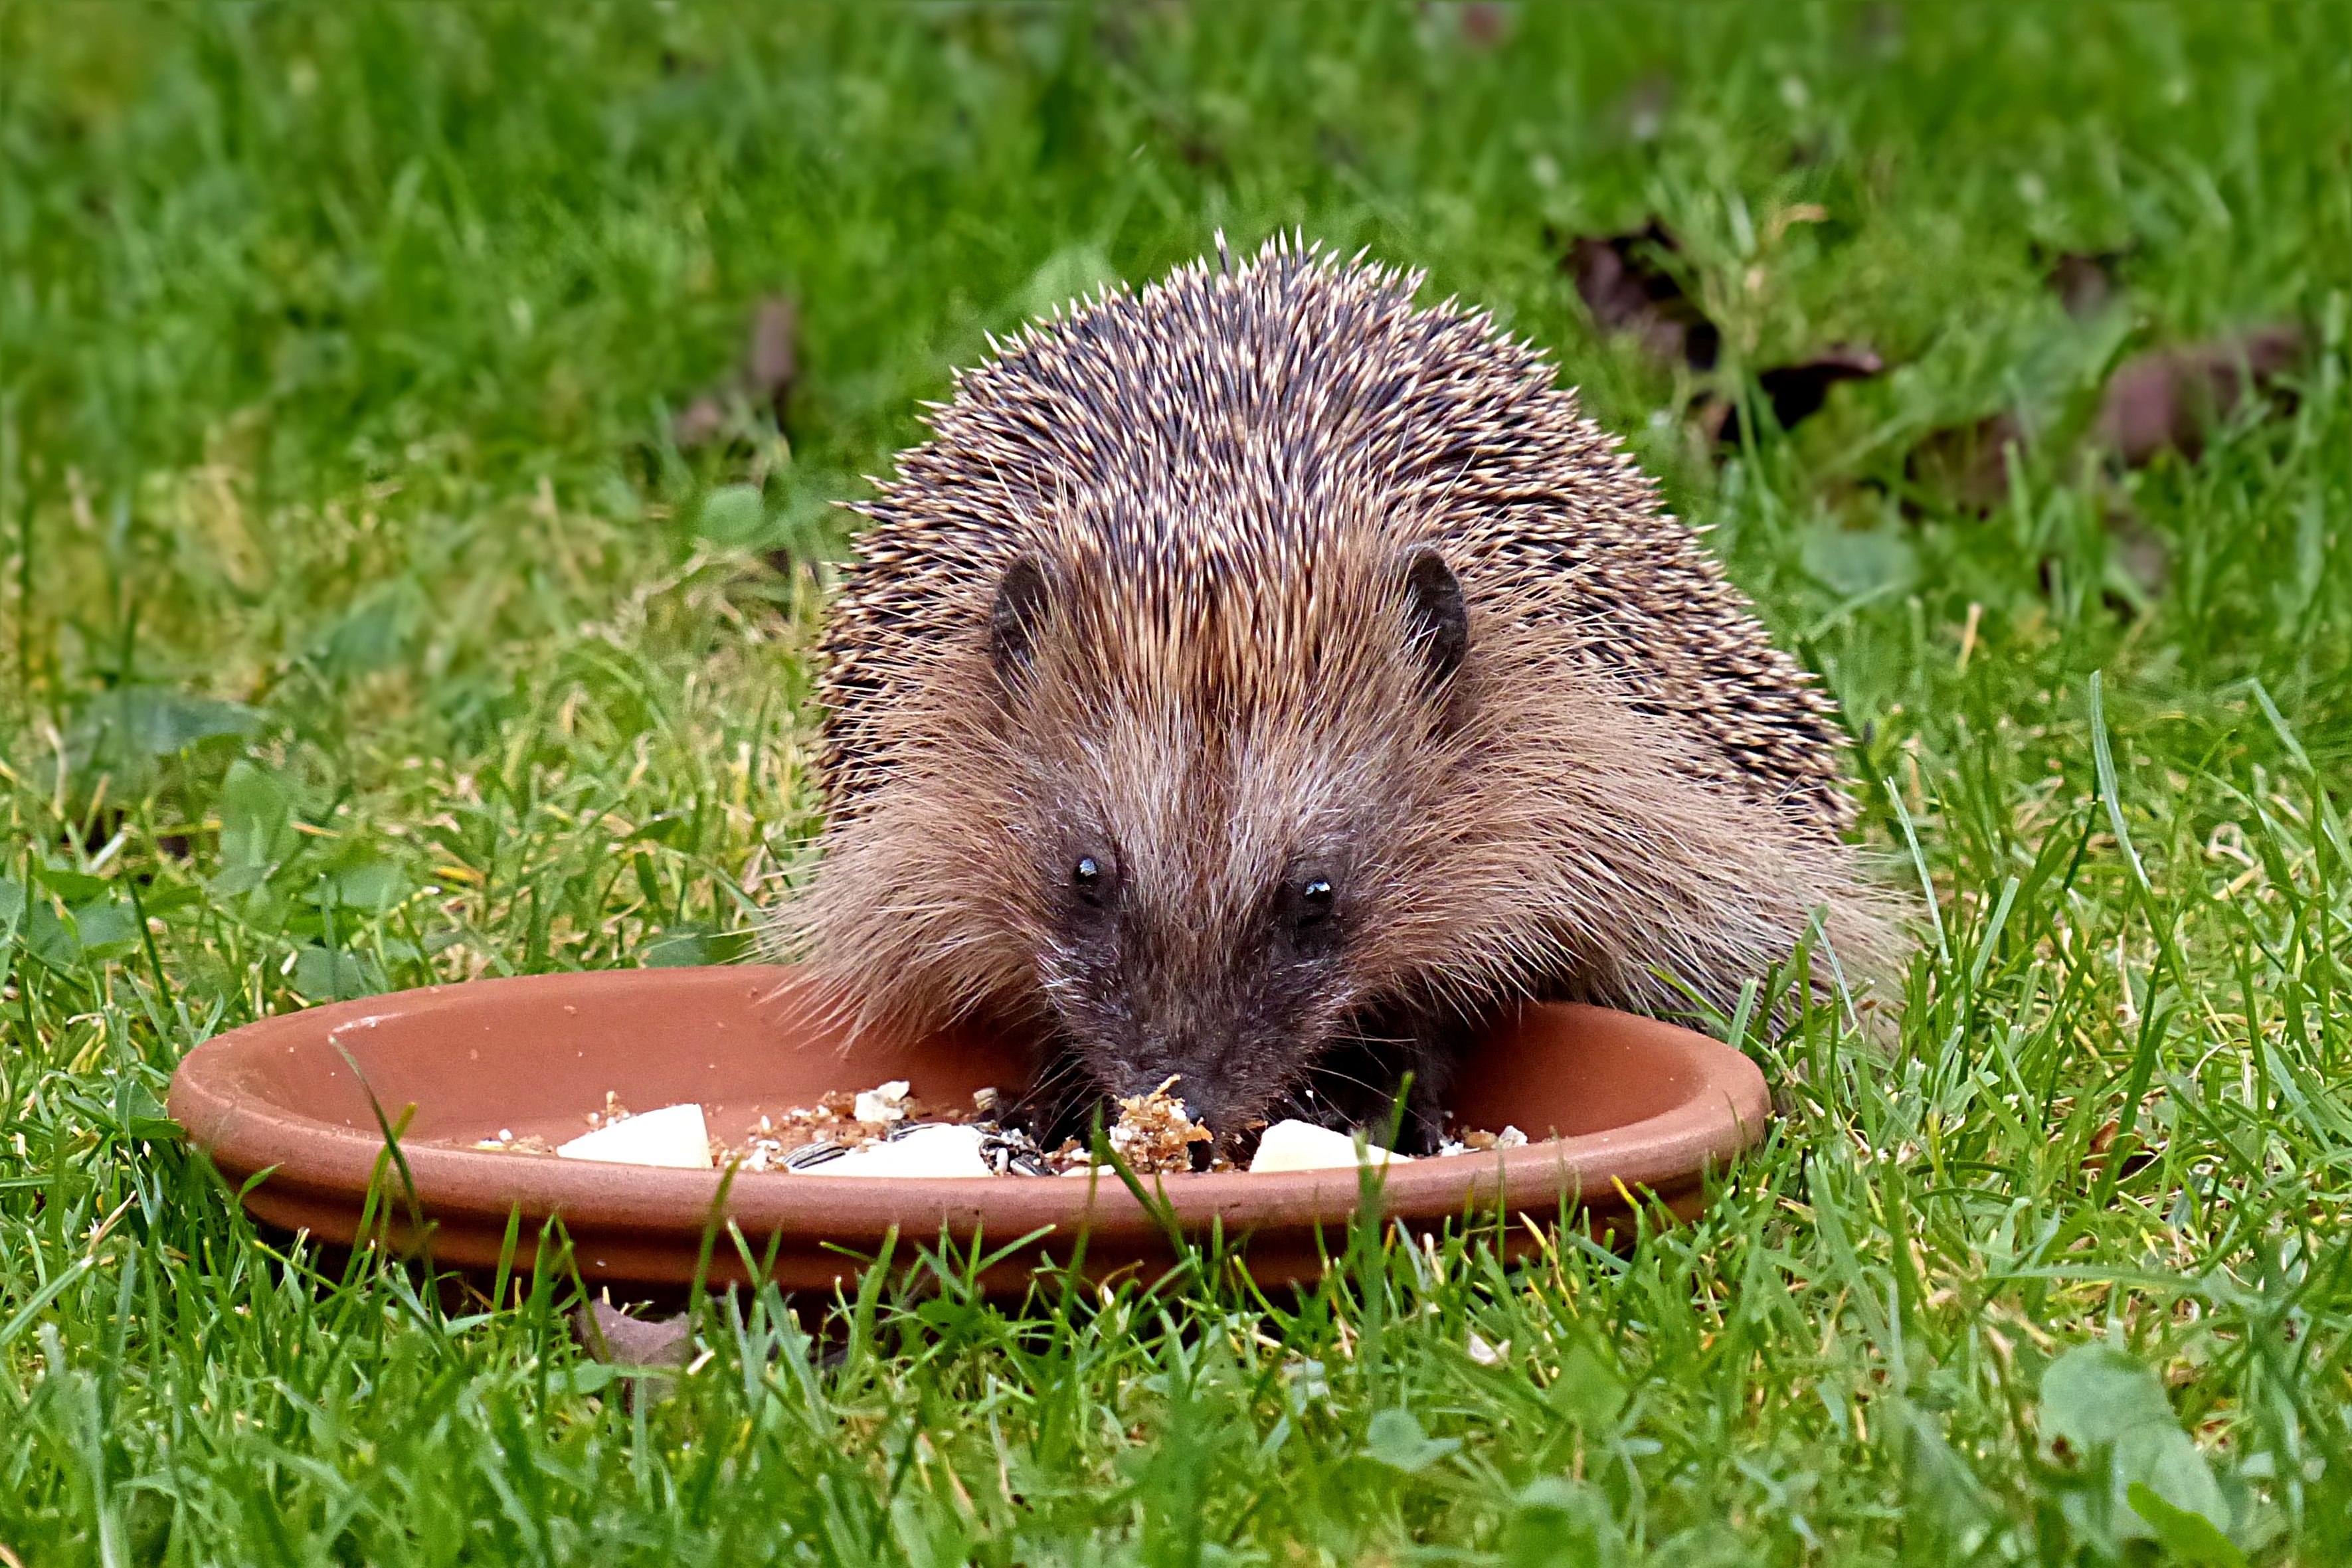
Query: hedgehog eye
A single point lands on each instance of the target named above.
(1086, 879)
(1313, 901)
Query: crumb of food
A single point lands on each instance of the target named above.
(506, 1143)
(843, 1121)
(762, 1149)
(1153, 1133)
(885, 1102)
(1477, 1140)
(1304, 1146)
(674, 1136)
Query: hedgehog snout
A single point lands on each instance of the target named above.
(1227, 1085)
(1199, 1083)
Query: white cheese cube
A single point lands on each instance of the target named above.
(673, 1136)
(943, 1150)
(1304, 1146)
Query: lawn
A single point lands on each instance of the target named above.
(412, 542)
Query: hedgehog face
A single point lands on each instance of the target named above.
(1162, 965)
(1201, 867)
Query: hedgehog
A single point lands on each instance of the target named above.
(1264, 681)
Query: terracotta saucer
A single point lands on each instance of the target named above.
(1619, 1105)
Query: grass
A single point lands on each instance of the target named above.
(364, 627)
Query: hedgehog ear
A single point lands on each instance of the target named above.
(1437, 614)
(1016, 617)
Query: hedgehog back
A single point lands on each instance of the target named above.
(1206, 431)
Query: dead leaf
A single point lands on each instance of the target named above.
(764, 381)
(773, 365)
(700, 422)
(2084, 281)
(2168, 398)
(613, 1336)
(1796, 393)
(1967, 466)
(1625, 282)
(1486, 23)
